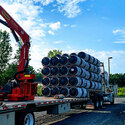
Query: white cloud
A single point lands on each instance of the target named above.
(70, 8)
(73, 26)
(121, 34)
(45, 2)
(55, 26)
(58, 42)
(66, 25)
(119, 31)
(121, 41)
(105, 18)
(51, 32)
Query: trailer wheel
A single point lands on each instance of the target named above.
(83, 106)
(112, 102)
(96, 104)
(101, 103)
(25, 117)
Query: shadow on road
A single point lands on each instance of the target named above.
(108, 115)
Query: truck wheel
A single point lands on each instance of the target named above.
(83, 106)
(25, 117)
(112, 101)
(100, 103)
(96, 104)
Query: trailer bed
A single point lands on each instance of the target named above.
(38, 102)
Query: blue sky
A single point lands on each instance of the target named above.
(94, 26)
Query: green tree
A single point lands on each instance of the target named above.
(5, 50)
(54, 53)
(118, 79)
(39, 76)
(8, 73)
(17, 54)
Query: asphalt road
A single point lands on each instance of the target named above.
(108, 115)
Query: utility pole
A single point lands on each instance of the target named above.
(109, 66)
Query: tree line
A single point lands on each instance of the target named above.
(118, 78)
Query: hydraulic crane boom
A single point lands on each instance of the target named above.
(26, 89)
(23, 35)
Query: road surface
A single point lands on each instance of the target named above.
(109, 115)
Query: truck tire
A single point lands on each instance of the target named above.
(96, 104)
(112, 101)
(25, 117)
(83, 106)
(100, 103)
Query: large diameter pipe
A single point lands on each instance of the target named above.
(84, 92)
(83, 73)
(92, 76)
(87, 66)
(91, 60)
(88, 84)
(74, 60)
(92, 85)
(63, 60)
(75, 70)
(66, 55)
(46, 71)
(99, 78)
(54, 61)
(54, 81)
(83, 82)
(75, 92)
(46, 81)
(54, 91)
(96, 85)
(96, 77)
(64, 71)
(73, 54)
(45, 61)
(54, 71)
(95, 69)
(98, 70)
(65, 91)
(98, 63)
(63, 81)
(83, 63)
(100, 86)
(75, 81)
(46, 91)
(95, 61)
(78, 92)
(84, 56)
(91, 67)
(87, 76)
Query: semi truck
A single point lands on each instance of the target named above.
(18, 101)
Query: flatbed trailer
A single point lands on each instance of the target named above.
(12, 113)
(38, 102)
(22, 112)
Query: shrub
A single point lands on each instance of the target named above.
(121, 91)
(39, 90)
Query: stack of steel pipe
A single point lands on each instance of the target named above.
(71, 75)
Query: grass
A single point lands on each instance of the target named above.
(121, 92)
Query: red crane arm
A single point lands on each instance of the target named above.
(23, 61)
